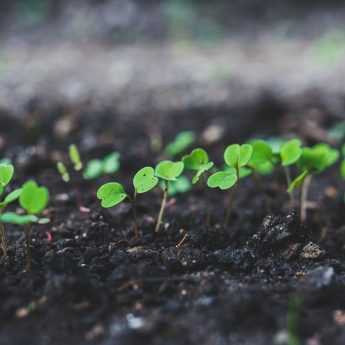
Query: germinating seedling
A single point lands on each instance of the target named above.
(6, 175)
(113, 193)
(167, 172)
(236, 158)
(108, 165)
(314, 160)
(33, 199)
(76, 161)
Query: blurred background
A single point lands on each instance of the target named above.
(171, 55)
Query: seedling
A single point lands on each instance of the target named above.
(236, 158)
(75, 159)
(95, 168)
(197, 161)
(113, 193)
(166, 171)
(33, 199)
(182, 141)
(181, 186)
(262, 160)
(6, 175)
(314, 160)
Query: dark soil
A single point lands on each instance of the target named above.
(93, 282)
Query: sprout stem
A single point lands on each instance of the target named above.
(231, 199)
(162, 209)
(3, 239)
(28, 231)
(304, 196)
(288, 181)
(134, 205)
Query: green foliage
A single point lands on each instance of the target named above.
(6, 174)
(33, 199)
(198, 161)
(10, 198)
(182, 141)
(291, 152)
(262, 158)
(238, 156)
(111, 194)
(74, 156)
(145, 180)
(18, 219)
(223, 179)
(168, 170)
(63, 171)
(95, 168)
(180, 186)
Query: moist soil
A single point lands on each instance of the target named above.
(262, 279)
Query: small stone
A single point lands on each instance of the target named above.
(311, 251)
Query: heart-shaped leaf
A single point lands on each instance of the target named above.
(13, 218)
(6, 174)
(262, 153)
(195, 159)
(238, 155)
(223, 179)
(145, 180)
(111, 194)
(33, 198)
(291, 152)
(201, 171)
(168, 170)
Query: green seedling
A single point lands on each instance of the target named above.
(237, 158)
(181, 186)
(95, 168)
(33, 199)
(181, 143)
(6, 175)
(314, 160)
(167, 172)
(197, 161)
(113, 193)
(74, 156)
(262, 160)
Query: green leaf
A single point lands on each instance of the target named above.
(291, 152)
(61, 168)
(94, 169)
(182, 141)
(11, 197)
(6, 174)
(223, 179)
(238, 155)
(145, 180)
(168, 170)
(33, 198)
(111, 194)
(13, 218)
(197, 158)
(111, 163)
(74, 156)
(298, 181)
(180, 186)
(204, 168)
(262, 153)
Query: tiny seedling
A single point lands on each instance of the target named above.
(166, 171)
(113, 193)
(197, 161)
(181, 143)
(33, 199)
(76, 161)
(236, 158)
(262, 161)
(95, 168)
(314, 160)
(6, 175)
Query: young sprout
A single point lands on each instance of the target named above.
(314, 160)
(6, 175)
(262, 160)
(74, 156)
(166, 171)
(33, 199)
(113, 193)
(236, 158)
(95, 168)
(197, 161)
(290, 153)
(182, 141)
